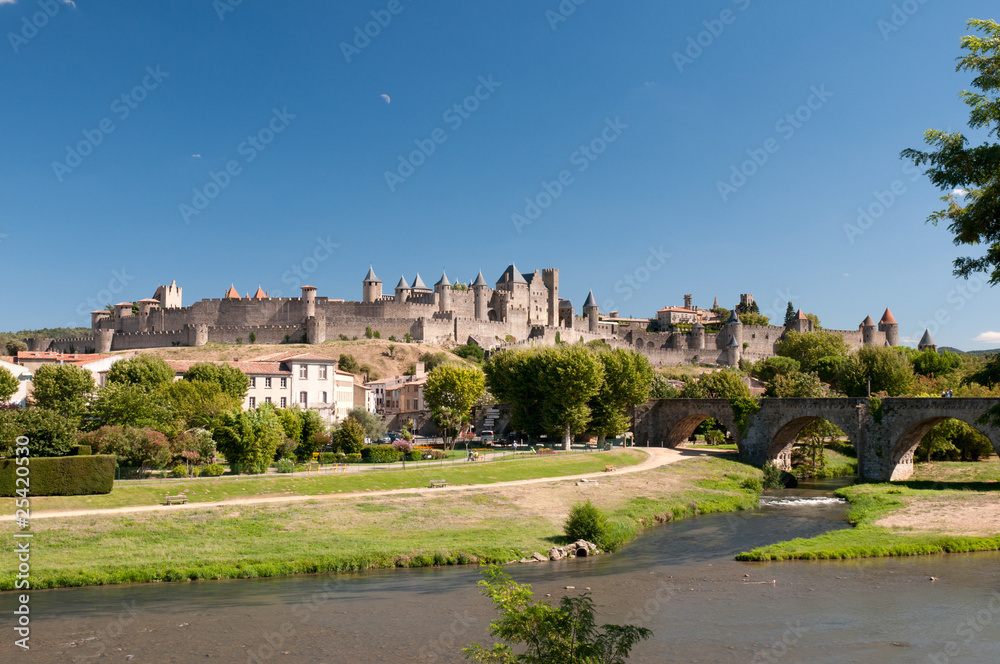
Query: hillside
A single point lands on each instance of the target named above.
(993, 351)
(373, 352)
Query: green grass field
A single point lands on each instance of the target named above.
(496, 524)
(215, 489)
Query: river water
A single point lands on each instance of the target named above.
(680, 580)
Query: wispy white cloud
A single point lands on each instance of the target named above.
(990, 337)
(959, 192)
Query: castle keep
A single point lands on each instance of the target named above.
(518, 310)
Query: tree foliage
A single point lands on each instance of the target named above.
(725, 384)
(755, 319)
(232, 381)
(546, 634)
(970, 176)
(795, 384)
(627, 379)
(131, 405)
(63, 388)
(49, 433)
(373, 424)
(350, 437)
(9, 384)
(198, 403)
(661, 388)
(348, 363)
(249, 438)
(809, 347)
(889, 370)
(145, 371)
(932, 363)
(771, 367)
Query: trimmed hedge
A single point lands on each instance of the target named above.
(82, 450)
(61, 476)
(380, 454)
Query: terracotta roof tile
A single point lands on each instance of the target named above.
(232, 293)
(887, 318)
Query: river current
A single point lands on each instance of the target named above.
(679, 580)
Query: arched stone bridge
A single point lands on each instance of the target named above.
(884, 437)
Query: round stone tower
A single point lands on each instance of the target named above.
(867, 328)
(97, 316)
(733, 328)
(696, 340)
(402, 290)
(309, 297)
(102, 340)
(889, 325)
(590, 310)
(480, 289)
(733, 350)
(443, 290)
(372, 288)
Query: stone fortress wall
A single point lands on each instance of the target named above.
(520, 310)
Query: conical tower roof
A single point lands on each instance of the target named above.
(402, 283)
(926, 340)
(887, 318)
(511, 274)
(868, 322)
(371, 275)
(479, 280)
(232, 293)
(800, 315)
(443, 281)
(715, 305)
(732, 341)
(418, 283)
(591, 301)
(733, 318)
(260, 294)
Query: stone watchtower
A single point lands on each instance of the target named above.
(309, 297)
(732, 329)
(169, 296)
(733, 350)
(927, 342)
(800, 323)
(372, 287)
(550, 277)
(480, 289)
(402, 290)
(443, 290)
(696, 340)
(867, 328)
(889, 325)
(590, 310)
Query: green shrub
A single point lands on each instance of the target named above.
(415, 455)
(212, 470)
(752, 484)
(285, 466)
(585, 522)
(62, 476)
(328, 457)
(179, 471)
(196, 471)
(380, 454)
(81, 450)
(354, 457)
(133, 446)
(772, 476)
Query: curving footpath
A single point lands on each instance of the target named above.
(658, 456)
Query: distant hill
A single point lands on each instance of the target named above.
(971, 352)
(48, 332)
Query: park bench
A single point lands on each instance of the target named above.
(609, 469)
(438, 483)
(175, 500)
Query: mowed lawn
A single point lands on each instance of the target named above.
(215, 489)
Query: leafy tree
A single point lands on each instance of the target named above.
(627, 379)
(932, 363)
(9, 384)
(312, 424)
(970, 176)
(771, 367)
(249, 438)
(450, 392)
(725, 384)
(829, 368)
(693, 389)
(814, 319)
(350, 437)
(14, 346)
(291, 423)
(889, 370)
(49, 433)
(433, 360)
(373, 425)
(755, 319)
(808, 347)
(232, 381)
(198, 403)
(133, 447)
(722, 313)
(449, 421)
(796, 384)
(348, 363)
(148, 372)
(789, 314)
(545, 634)
(63, 388)
(751, 308)
(585, 522)
(126, 404)
(660, 388)
(471, 352)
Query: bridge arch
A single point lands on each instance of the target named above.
(682, 429)
(780, 447)
(903, 447)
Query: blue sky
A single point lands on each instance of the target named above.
(217, 143)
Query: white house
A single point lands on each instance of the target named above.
(23, 375)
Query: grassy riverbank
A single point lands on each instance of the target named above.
(931, 513)
(361, 532)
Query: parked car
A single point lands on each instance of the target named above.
(487, 437)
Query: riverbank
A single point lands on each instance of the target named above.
(944, 508)
(359, 532)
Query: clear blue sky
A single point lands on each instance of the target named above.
(183, 86)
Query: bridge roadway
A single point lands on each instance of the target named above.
(884, 434)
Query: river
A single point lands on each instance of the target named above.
(680, 580)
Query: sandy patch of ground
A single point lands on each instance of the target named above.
(974, 515)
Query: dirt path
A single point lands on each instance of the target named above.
(974, 515)
(657, 457)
